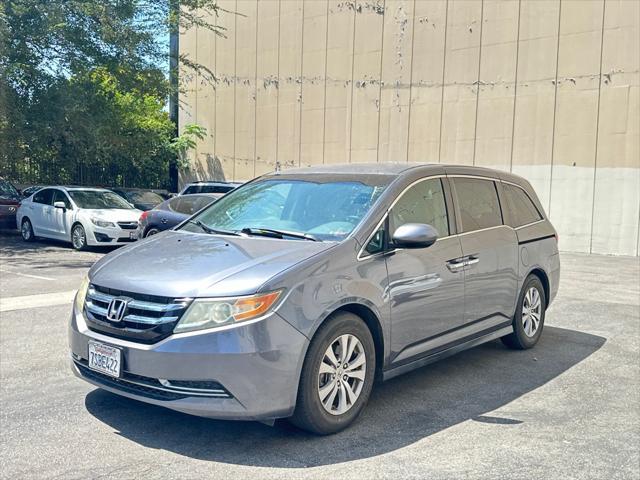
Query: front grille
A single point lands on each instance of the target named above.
(128, 225)
(147, 319)
(152, 387)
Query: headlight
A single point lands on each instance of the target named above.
(102, 223)
(212, 313)
(82, 293)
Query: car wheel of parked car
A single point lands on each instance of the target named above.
(151, 231)
(529, 317)
(27, 231)
(78, 237)
(337, 375)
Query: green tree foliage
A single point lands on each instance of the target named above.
(84, 87)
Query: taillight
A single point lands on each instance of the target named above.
(143, 216)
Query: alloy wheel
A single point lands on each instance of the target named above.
(77, 237)
(531, 311)
(26, 230)
(342, 373)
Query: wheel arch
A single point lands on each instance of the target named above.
(372, 322)
(544, 279)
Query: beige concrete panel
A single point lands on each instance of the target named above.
(426, 81)
(313, 85)
(289, 102)
(225, 90)
(576, 123)
(535, 100)
(461, 75)
(268, 85)
(188, 99)
(396, 78)
(338, 87)
(497, 84)
(366, 86)
(245, 89)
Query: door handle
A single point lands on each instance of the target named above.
(456, 264)
(471, 260)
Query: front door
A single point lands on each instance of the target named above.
(425, 286)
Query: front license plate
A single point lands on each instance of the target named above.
(105, 359)
(133, 235)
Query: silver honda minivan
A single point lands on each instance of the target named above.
(290, 296)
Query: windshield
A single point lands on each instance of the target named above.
(144, 197)
(94, 199)
(7, 190)
(208, 189)
(327, 210)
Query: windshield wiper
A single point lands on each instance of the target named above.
(210, 230)
(270, 232)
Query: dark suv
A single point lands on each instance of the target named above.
(288, 296)
(9, 203)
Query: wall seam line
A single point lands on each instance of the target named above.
(413, 38)
(444, 65)
(255, 95)
(595, 159)
(555, 109)
(324, 109)
(515, 89)
(384, 12)
(475, 128)
(353, 61)
(301, 85)
(235, 83)
(277, 160)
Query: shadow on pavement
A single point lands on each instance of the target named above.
(400, 412)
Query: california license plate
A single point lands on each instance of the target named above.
(105, 359)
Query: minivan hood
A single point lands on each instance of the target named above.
(183, 264)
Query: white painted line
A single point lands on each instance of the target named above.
(36, 301)
(26, 274)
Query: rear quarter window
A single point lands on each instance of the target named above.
(519, 206)
(478, 203)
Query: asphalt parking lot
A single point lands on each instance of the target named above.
(567, 409)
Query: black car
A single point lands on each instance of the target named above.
(171, 212)
(209, 187)
(140, 198)
(27, 192)
(9, 203)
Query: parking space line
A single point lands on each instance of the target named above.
(28, 275)
(35, 301)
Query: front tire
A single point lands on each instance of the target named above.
(78, 237)
(528, 320)
(26, 230)
(337, 376)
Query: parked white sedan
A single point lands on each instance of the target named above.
(82, 216)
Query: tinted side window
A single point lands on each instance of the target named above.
(479, 205)
(44, 196)
(521, 209)
(422, 203)
(60, 196)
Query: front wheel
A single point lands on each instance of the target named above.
(26, 230)
(529, 317)
(337, 376)
(79, 237)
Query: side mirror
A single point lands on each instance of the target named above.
(414, 235)
(60, 205)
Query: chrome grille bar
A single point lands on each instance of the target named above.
(138, 304)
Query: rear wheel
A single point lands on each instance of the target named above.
(337, 376)
(78, 237)
(151, 231)
(529, 317)
(26, 230)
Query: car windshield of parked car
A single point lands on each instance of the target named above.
(95, 199)
(203, 188)
(322, 210)
(7, 190)
(140, 196)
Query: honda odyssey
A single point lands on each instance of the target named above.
(291, 295)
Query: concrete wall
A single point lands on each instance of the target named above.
(548, 89)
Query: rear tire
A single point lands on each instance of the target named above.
(26, 230)
(151, 231)
(335, 386)
(78, 237)
(528, 320)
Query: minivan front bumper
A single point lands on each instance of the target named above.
(254, 369)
